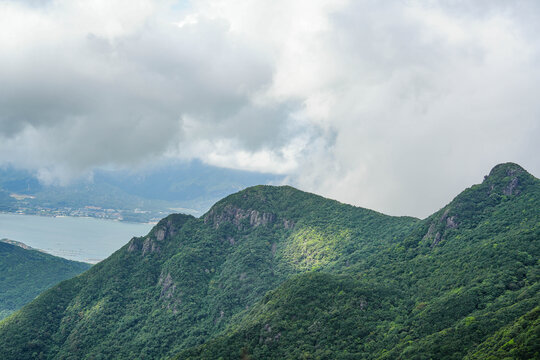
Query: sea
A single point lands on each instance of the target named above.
(75, 238)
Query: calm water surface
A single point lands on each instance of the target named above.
(82, 239)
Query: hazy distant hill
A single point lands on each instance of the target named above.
(145, 195)
(274, 272)
(26, 272)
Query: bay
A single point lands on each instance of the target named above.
(75, 238)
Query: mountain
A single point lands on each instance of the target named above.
(184, 282)
(141, 196)
(461, 276)
(274, 272)
(26, 272)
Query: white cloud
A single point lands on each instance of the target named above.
(394, 105)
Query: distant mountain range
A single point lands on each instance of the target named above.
(277, 273)
(141, 196)
(26, 272)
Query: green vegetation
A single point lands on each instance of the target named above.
(518, 340)
(24, 273)
(313, 315)
(273, 272)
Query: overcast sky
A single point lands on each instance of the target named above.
(391, 105)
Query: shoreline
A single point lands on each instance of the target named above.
(81, 217)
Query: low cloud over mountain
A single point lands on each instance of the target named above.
(351, 99)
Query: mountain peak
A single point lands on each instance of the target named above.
(506, 169)
(256, 205)
(505, 184)
(260, 197)
(507, 179)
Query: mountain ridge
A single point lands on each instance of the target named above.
(218, 283)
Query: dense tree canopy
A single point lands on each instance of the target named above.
(273, 272)
(25, 273)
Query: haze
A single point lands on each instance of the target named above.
(395, 106)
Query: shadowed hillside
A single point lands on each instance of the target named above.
(26, 272)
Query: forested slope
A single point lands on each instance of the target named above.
(273, 272)
(459, 283)
(25, 273)
(185, 282)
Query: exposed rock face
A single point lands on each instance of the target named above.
(243, 218)
(451, 222)
(221, 315)
(274, 249)
(149, 246)
(236, 216)
(268, 335)
(511, 187)
(165, 229)
(437, 228)
(169, 226)
(437, 239)
(145, 245)
(167, 286)
(167, 294)
(160, 234)
(288, 224)
(133, 245)
(363, 304)
(430, 231)
(506, 178)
